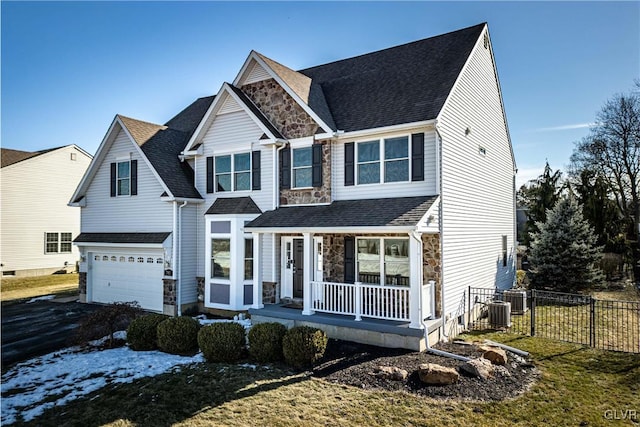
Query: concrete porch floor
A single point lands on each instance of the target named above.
(383, 333)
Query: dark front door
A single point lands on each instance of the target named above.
(298, 267)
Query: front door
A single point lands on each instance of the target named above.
(298, 267)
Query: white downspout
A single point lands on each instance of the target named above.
(440, 226)
(435, 351)
(179, 260)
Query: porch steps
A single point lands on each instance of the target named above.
(383, 333)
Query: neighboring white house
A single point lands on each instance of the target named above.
(37, 225)
(374, 187)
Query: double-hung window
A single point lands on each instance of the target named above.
(220, 258)
(302, 167)
(386, 159)
(123, 178)
(57, 243)
(233, 172)
(383, 261)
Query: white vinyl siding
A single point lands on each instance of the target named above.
(384, 189)
(188, 269)
(477, 193)
(34, 197)
(256, 74)
(228, 134)
(144, 212)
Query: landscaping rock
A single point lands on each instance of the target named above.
(433, 374)
(496, 355)
(391, 373)
(479, 367)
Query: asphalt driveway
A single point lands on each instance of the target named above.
(38, 328)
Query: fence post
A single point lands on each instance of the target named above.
(533, 312)
(592, 322)
(358, 301)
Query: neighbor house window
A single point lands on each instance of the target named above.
(51, 243)
(302, 167)
(248, 258)
(233, 172)
(383, 261)
(57, 243)
(220, 258)
(123, 178)
(386, 159)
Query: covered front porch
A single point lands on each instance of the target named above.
(376, 269)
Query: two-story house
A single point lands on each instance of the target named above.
(37, 227)
(363, 196)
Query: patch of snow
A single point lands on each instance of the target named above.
(246, 323)
(248, 366)
(73, 373)
(42, 298)
(118, 335)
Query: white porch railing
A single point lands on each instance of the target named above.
(366, 300)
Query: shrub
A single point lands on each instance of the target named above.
(142, 333)
(178, 335)
(105, 321)
(222, 342)
(265, 341)
(302, 346)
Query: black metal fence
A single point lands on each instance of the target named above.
(583, 319)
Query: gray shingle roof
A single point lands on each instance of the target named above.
(402, 84)
(400, 211)
(121, 237)
(162, 144)
(235, 205)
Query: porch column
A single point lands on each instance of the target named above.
(257, 271)
(415, 280)
(307, 267)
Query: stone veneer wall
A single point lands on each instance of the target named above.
(82, 283)
(432, 266)
(269, 292)
(281, 109)
(316, 194)
(200, 294)
(169, 293)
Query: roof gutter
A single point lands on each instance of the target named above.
(383, 229)
(384, 129)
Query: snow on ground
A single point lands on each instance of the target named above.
(31, 387)
(42, 298)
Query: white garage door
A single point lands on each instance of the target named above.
(128, 276)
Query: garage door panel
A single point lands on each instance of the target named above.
(126, 277)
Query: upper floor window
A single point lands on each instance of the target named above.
(233, 172)
(302, 167)
(123, 179)
(386, 159)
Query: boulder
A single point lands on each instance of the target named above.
(433, 374)
(496, 355)
(391, 373)
(479, 367)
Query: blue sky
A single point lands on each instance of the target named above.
(68, 68)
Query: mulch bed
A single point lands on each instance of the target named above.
(355, 364)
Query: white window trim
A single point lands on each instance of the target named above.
(383, 275)
(293, 168)
(381, 160)
(58, 242)
(233, 172)
(128, 161)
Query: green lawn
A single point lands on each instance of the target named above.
(577, 387)
(18, 288)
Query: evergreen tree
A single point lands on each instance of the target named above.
(564, 255)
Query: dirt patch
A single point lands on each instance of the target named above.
(355, 365)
